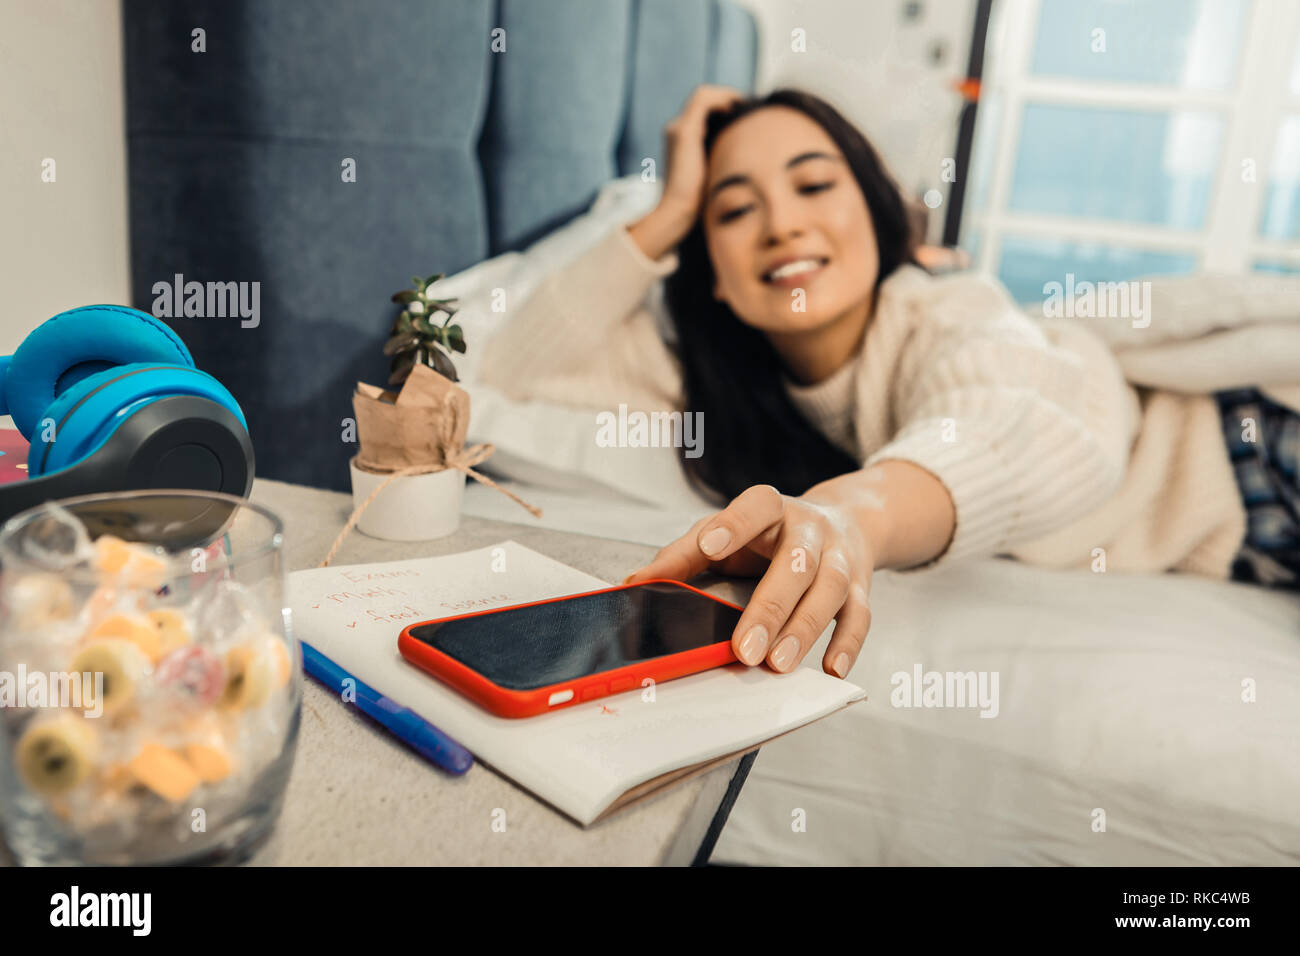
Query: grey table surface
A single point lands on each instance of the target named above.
(358, 797)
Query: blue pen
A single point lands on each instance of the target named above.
(424, 738)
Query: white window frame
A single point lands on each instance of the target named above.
(1253, 109)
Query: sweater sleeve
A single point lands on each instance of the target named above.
(1025, 434)
(584, 336)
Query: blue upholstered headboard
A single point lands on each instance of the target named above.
(236, 157)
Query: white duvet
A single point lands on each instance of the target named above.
(1142, 720)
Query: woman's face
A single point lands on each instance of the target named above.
(779, 194)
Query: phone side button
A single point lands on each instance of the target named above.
(559, 697)
(622, 684)
(596, 690)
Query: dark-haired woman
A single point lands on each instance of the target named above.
(860, 413)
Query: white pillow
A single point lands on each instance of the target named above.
(619, 201)
(474, 281)
(472, 288)
(554, 446)
(513, 276)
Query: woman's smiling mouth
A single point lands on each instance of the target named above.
(794, 272)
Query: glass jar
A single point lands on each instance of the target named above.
(150, 685)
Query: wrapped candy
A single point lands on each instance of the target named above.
(192, 687)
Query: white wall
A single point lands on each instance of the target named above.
(62, 244)
(873, 65)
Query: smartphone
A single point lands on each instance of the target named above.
(528, 659)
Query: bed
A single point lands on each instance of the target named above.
(1139, 719)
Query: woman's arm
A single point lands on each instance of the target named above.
(1027, 433)
(662, 229)
(904, 510)
(584, 336)
(1000, 436)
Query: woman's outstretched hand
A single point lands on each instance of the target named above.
(816, 565)
(816, 554)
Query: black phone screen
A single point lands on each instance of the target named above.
(528, 647)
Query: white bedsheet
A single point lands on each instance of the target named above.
(1117, 693)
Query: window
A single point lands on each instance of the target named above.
(1122, 138)
(1281, 219)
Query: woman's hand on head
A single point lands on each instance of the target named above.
(816, 565)
(686, 176)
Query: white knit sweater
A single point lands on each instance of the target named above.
(1047, 452)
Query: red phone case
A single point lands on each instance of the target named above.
(528, 703)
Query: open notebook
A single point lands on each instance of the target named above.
(587, 760)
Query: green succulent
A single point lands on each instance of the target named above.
(417, 336)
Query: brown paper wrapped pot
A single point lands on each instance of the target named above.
(423, 424)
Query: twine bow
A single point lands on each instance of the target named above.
(463, 460)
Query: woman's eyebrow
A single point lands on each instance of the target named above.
(738, 178)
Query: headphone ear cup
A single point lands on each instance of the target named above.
(66, 350)
(79, 421)
(48, 428)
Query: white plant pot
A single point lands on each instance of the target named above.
(410, 508)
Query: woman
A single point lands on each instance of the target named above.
(861, 414)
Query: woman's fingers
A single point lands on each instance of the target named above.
(851, 627)
(679, 560)
(795, 560)
(716, 540)
(808, 578)
(707, 98)
(812, 614)
(755, 511)
(684, 146)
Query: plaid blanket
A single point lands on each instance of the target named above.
(1263, 440)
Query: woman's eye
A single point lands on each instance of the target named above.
(805, 190)
(731, 214)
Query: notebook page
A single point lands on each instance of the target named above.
(579, 759)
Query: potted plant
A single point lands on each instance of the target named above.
(420, 429)
(416, 336)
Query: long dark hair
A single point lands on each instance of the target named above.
(732, 375)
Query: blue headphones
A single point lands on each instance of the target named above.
(110, 400)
